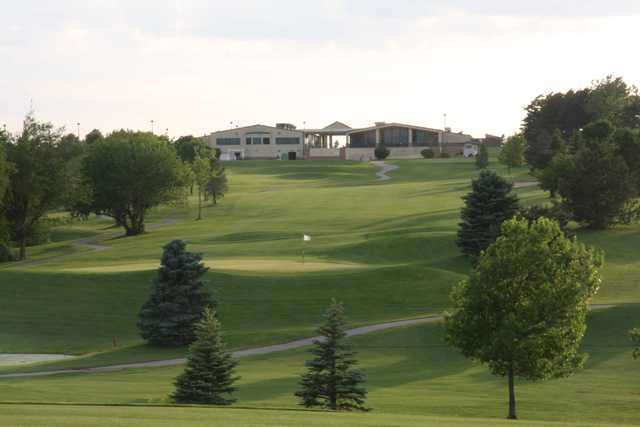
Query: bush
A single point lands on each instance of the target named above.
(444, 155)
(381, 152)
(428, 153)
(5, 253)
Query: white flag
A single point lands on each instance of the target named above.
(306, 238)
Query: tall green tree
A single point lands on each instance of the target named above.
(209, 375)
(565, 114)
(202, 174)
(92, 137)
(127, 174)
(6, 169)
(331, 380)
(482, 159)
(177, 300)
(217, 186)
(486, 207)
(190, 148)
(522, 312)
(597, 184)
(512, 152)
(37, 184)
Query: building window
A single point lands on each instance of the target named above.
(266, 140)
(363, 139)
(247, 140)
(394, 136)
(227, 141)
(281, 140)
(424, 138)
(257, 140)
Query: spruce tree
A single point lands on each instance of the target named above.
(208, 376)
(178, 298)
(331, 381)
(482, 160)
(486, 207)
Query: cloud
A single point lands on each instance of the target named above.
(193, 66)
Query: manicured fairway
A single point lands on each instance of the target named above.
(107, 416)
(385, 248)
(410, 372)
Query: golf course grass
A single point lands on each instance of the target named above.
(386, 249)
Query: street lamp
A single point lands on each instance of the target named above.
(152, 126)
(78, 124)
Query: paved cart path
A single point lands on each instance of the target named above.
(240, 353)
(384, 168)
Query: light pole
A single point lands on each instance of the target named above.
(444, 132)
(78, 124)
(152, 126)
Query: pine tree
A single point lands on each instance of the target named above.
(482, 160)
(208, 376)
(331, 382)
(178, 298)
(486, 207)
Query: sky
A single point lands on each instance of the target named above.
(195, 66)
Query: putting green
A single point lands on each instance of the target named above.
(238, 264)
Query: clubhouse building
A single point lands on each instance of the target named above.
(338, 141)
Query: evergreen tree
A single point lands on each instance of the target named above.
(331, 382)
(209, 374)
(486, 207)
(178, 298)
(482, 160)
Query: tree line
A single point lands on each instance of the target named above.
(121, 175)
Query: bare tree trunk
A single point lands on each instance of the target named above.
(199, 204)
(512, 397)
(23, 248)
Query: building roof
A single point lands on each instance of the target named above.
(335, 128)
(256, 126)
(393, 124)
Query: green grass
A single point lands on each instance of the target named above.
(98, 416)
(410, 371)
(384, 248)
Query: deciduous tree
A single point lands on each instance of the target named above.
(522, 311)
(127, 174)
(512, 152)
(37, 183)
(596, 184)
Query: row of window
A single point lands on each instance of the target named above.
(258, 140)
(393, 137)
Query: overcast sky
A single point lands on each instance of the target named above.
(194, 66)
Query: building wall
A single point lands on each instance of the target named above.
(454, 138)
(258, 151)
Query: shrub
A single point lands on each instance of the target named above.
(5, 253)
(381, 152)
(428, 153)
(444, 155)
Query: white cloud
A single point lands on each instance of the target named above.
(195, 66)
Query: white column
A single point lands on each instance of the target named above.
(410, 137)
